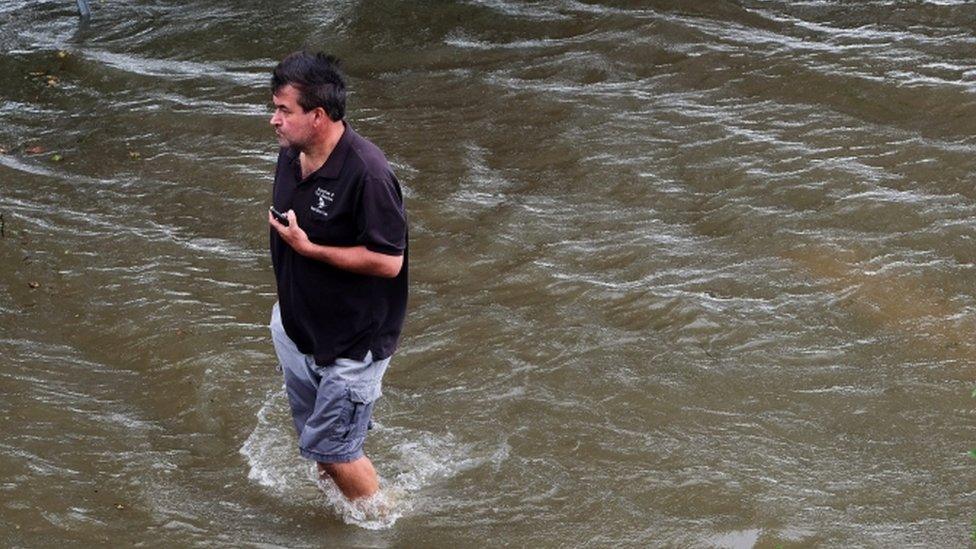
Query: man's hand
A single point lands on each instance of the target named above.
(293, 235)
(357, 259)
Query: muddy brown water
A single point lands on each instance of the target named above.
(692, 274)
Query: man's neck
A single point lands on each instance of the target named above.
(314, 156)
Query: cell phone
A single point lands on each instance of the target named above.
(279, 216)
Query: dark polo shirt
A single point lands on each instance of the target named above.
(353, 199)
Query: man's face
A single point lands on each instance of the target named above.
(292, 124)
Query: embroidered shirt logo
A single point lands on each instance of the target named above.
(325, 200)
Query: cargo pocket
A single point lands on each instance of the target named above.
(362, 396)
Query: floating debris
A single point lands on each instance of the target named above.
(34, 285)
(119, 506)
(57, 157)
(135, 155)
(50, 80)
(84, 10)
(62, 54)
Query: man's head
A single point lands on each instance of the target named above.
(309, 92)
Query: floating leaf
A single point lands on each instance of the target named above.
(62, 54)
(57, 157)
(972, 454)
(135, 155)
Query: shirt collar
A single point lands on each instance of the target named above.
(337, 158)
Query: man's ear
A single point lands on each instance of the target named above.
(320, 115)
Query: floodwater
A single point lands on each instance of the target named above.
(694, 274)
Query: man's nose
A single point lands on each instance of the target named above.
(274, 119)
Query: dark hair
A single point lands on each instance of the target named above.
(318, 79)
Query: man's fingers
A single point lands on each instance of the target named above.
(275, 223)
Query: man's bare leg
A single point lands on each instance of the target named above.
(355, 479)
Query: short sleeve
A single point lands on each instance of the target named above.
(381, 220)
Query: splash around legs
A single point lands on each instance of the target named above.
(355, 479)
(353, 490)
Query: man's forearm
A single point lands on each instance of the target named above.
(357, 259)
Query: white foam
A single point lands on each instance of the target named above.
(270, 449)
(419, 460)
(377, 512)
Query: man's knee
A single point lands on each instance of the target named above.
(339, 469)
(355, 479)
(327, 469)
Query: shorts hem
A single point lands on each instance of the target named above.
(331, 458)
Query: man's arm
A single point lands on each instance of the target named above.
(357, 259)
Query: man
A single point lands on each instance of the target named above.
(340, 264)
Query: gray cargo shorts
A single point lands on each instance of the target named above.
(330, 405)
